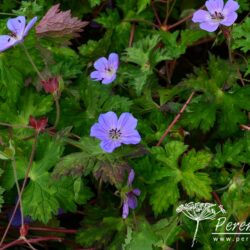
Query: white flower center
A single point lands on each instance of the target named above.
(109, 71)
(217, 16)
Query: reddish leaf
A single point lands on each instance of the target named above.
(58, 23)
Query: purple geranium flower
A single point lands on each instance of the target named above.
(217, 14)
(130, 200)
(105, 69)
(113, 131)
(18, 32)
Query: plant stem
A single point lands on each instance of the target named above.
(135, 221)
(132, 34)
(155, 13)
(229, 49)
(182, 20)
(57, 111)
(175, 119)
(32, 63)
(169, 10)
(18, 188)
(14, 125)
(27, 242)
(22, 189)
(51, 229)
(7, 14)
(36, 240)
(216, 197)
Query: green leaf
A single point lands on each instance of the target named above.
(170, 156)
(49, 195)
(164, 194)
(32, 103)
(93, 3)
(142, 239)
(10, 80)
(234, 153)
(81, 191)
(196, 183)
(99, 100)
(189, 36)
(236, 199)
(43, 205)
(142, 5)
(93, 50)
(65, 194)
(168, 230)
(101, 233)
(8, 180)
(241, 37)
(200, 115)
(67, 63)
(74, 164)
(109, 19)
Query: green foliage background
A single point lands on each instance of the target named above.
(207, 152)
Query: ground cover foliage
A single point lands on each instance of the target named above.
(189, 91)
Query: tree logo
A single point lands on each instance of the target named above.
(200, 211)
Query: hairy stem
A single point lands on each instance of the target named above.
(32, 63)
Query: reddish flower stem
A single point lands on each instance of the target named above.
(182, 20)
(244, 127)
(36, 240)
(22, 188)
(56, 99)
(132, 34)
(51, 229)
(175, 119)
(155, 13)
(216, 197)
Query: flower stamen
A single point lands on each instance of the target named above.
(217, 16)
(115, 134)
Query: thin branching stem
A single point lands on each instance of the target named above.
(14, 125)
(56, 98)
(22, 188)
(32, 63)
(175, 119)
(36, 240)
(7, 14)
(18, 188)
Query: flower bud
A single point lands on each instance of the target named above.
(51, 85)
(38, 125)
